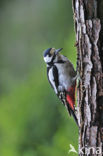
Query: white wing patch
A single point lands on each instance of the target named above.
(51, 79)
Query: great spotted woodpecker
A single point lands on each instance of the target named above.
(62, 77)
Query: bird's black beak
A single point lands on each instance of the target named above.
(58, 50)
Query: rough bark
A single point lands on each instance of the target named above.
(88, 18)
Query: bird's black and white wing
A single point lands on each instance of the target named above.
(52, 74)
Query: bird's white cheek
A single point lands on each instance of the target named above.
(47, 59)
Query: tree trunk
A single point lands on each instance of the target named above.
(88, 17)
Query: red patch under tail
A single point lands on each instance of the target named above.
(71, 97)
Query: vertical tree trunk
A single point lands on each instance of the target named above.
(88, 17)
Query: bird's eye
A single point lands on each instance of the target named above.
(49, 54)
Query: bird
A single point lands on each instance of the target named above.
(62, 78)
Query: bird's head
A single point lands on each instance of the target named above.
(50, 55)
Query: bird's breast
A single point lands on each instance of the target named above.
(64, 75)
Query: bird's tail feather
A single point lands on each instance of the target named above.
(75, 117)
(71, 112)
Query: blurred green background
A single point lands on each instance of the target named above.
(33, 122)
